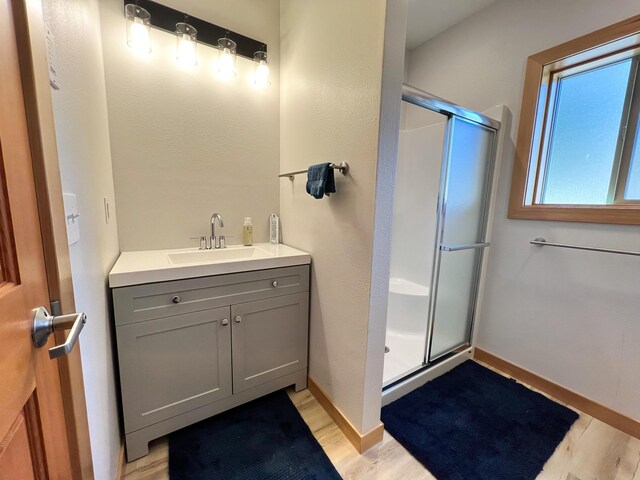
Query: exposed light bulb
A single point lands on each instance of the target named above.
(186, 46)
(262, 74)
(226, 67)
(138, 34)
(139, 37)
(226, 64)
(187, 52)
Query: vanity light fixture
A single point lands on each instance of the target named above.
(261, 73)
(191, 33)
(186, 41)
(138, 27)
(226, 67)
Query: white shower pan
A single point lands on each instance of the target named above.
(406, 328)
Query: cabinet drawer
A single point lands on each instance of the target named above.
(173, 365)
(158, 300)
(269, 339)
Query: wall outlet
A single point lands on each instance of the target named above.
(72, 216)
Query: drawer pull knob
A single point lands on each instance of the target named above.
(274, 283)
(176, 299)
(238, 319)
(225, 322)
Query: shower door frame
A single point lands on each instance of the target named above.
(439, 105)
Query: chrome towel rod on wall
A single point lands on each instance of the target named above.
(343, 167)
(542, 242)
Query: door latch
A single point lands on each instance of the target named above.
(45, 324)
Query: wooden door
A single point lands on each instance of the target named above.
(33, 438)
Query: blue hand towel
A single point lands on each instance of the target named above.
(320, 180)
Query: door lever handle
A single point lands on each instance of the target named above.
(45, 324)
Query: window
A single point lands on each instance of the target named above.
(578, 148)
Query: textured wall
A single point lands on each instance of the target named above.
(391, 92)
(568, 316)
(82, 134)
(330, 104)
(184, 143)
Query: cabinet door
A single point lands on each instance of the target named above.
(171, 365)
(269, 339)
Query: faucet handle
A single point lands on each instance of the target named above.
(203, 241)
(223, 240)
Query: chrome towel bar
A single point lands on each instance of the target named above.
(542, 242)
(343, 167)
(457, 248)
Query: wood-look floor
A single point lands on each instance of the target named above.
(591, 450)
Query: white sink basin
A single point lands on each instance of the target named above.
(221, 255)
(135, 268)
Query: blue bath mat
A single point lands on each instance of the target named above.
(474, 424)
(266, 439)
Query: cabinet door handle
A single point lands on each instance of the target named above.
(274, 283)
(238, 319)
(176, 299)
(225, 322)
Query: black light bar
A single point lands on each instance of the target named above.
(165, 18)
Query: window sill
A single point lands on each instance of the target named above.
(613, 214)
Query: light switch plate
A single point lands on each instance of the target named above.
(72, 217)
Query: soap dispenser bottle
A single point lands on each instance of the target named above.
(247, 232)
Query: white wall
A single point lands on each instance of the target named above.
(395, 28)
(82, 134)
(569, 316)
(184, 143)
(330, 104)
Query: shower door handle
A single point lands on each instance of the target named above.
(455, 248)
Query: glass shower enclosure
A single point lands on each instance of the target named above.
(443, 186)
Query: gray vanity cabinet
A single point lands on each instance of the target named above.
(189, 349)
(174, 364)
(269, 339)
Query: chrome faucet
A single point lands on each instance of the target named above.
(216, 241)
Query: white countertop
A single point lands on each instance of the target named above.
(135, 268)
